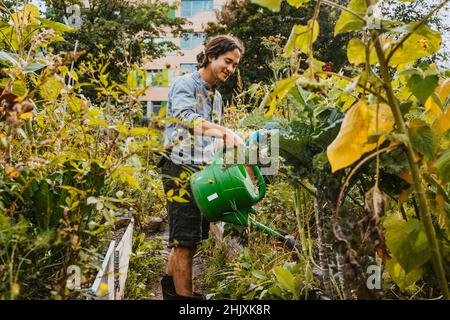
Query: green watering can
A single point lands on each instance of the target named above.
(227, 193)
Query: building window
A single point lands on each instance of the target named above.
(187, 68)
(154, 107)
(190, 8)
(193, 40)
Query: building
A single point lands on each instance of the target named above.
(162, 72)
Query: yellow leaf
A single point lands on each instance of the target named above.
(385, 124)
(439, 119)
(353, 139)
(121, 128)
(138, 131)
(97, 122)
(179, 199)
(278, 93)
(75, 103)
(132, 181)
(26, 116)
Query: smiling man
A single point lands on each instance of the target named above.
(192, 136)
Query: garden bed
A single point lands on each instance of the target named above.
(110, 281)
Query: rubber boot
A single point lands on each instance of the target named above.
(169, 292)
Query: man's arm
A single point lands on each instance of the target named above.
(207, 128)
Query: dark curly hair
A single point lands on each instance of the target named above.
(219, 45)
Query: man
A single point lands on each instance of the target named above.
(195, 107)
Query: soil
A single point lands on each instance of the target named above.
(120, 229)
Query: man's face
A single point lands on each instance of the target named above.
(225, 64)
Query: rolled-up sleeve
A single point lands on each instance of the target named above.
(183, 100)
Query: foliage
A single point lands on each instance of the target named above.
(127, 31)
(145, 263)
(259, 272)
(388, 91)
(68, 167)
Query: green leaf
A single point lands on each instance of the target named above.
(408, 243)
(33, 67)
(297, 3)
(285, 278)
(52, 88)
(43, 205)
(56, 26)
(348, 21)
(424, 140)
(423, 88)
(11, 57)
(259, 274)
(400, 276)
(443, 166)
(273, 5)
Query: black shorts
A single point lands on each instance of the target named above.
(187, 225)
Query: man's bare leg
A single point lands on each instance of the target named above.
(179, 267)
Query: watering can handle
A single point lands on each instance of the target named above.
(256, 171)
(261, 184)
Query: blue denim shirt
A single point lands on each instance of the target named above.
(190, 98)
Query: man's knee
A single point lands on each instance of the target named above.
(183, 252)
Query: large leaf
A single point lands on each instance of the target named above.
(358, 126)
(424, 140)
(285, 278)
(26, 16)
(422, 43)
(273, 5)
(400, 276)
(356, 52)
(13, 58)
(34, 66)
(43, 205)
(422, 88)
(348, 21)
(408, 242)
(56, 26)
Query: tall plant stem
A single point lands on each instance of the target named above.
(420, 192)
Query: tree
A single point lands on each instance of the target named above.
(252, 23)
(128, 31)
